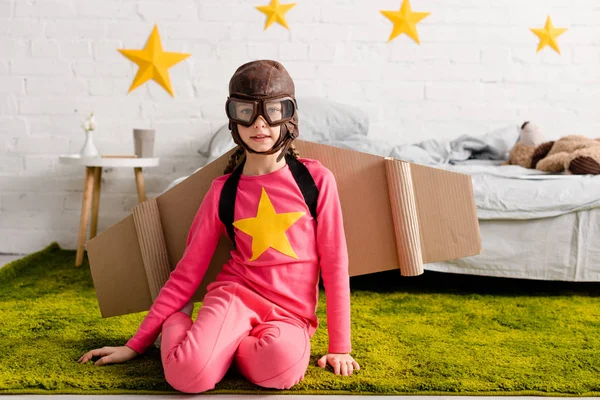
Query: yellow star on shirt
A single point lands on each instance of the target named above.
(405, 21)
(276, 12)
(268, 228)
(548, 35)
(153, 62)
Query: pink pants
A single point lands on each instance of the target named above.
(269, 345)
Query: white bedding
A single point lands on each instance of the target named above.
(513, 192)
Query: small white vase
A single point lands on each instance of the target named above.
(88, 149)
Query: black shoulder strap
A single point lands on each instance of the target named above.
(301, 175)
(227, 200)
(306, 183)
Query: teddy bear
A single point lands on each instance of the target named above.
(574, 154)
(522, 152)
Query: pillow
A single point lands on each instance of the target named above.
(320, 120)
(219, 144)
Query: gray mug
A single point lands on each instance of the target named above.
(143, 140)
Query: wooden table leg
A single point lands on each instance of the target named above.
(139, 180)
(96, 201)
(85, 212)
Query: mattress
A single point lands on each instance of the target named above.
(533, 226)
(562, 248)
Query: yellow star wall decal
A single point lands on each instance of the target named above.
(405, 21)
(275, 12)
(268, 228)
(548, 35)
(153, 62)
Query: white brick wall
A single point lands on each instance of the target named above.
(476, 69)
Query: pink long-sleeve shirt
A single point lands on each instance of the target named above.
(279, 251)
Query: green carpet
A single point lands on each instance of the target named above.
(437, 334)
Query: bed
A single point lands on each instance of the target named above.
(533, 225)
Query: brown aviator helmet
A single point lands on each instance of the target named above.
(265, 88)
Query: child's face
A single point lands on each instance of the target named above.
(259, 136)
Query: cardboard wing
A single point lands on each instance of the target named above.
(397, 215)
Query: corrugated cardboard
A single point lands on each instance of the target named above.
(397, 215)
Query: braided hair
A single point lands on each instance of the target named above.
(239, 154)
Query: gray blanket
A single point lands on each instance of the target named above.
(494, 145)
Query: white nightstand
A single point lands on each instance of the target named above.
(91, 191)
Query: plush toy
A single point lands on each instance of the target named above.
(522, 153)
(574, 154)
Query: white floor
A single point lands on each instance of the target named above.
(5, 259)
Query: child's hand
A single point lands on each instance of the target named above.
(110, 355)
(343, 363)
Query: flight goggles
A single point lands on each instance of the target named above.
(275, 111)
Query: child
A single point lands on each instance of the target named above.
(260, 310)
